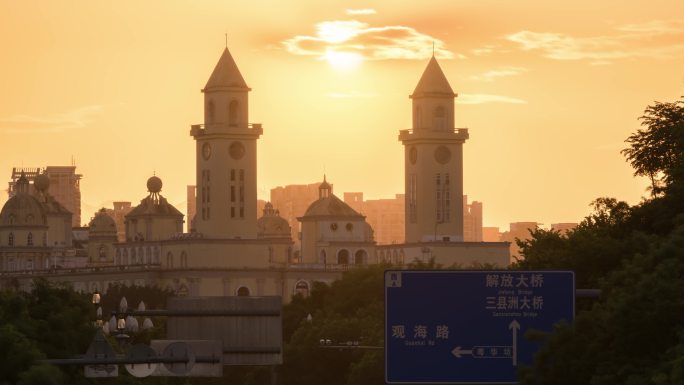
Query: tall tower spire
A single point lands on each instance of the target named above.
(433, 165)
(226, 156)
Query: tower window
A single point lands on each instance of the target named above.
(442, 198)
(447, 200)
(10, 239)
(412, 201)
(439, 122)
(232, 193)
(29, 239)
(233, 113)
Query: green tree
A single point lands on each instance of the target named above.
(635, 335)
(657, 151)
(50, 321)
(351, 309)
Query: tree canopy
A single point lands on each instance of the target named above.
(634, 333)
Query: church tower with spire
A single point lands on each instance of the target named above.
(226, 157)
(433, 162)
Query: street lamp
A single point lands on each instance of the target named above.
(98, 312)
(123, 323)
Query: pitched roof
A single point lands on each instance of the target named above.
(433, 81)
(226, 74)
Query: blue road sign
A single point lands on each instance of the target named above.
(468, 327)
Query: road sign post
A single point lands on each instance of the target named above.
(468, 327)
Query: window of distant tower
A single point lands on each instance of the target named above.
(29, 239)
(210, 112)
(233, 113)
(10, 239)
(439, 118)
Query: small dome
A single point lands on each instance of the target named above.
(271, 225)
(330, 206)
(154, 184)
(22, 210)
(41, 182)
(102, 223)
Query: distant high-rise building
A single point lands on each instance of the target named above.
(491, 234)
(472, 221)
(118, 214)
(563, 228)
(291, 201)
(64, 186)
(518, 230)
(386, 216)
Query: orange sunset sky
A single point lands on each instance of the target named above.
(548, 90)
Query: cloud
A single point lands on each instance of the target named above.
(485, 98)
(372, 43)
(655, 39)
(365, 11)
(492, 75)
(56, 123)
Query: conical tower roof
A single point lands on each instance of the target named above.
(226, 74)
(433, 81)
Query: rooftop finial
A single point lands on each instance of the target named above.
(226, 39)
(433, 48)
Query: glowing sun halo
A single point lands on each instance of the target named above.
(343, 61)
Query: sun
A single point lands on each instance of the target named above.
(343, 60)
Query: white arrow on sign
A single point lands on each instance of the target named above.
(457, 352)
(515, 326)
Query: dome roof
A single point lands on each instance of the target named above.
(102, 223)
(154, 184)
(330, 206)
(154, 203)
(22, 209)
(271, 225)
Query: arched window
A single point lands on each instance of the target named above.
(242, 291)
(148, 255)
(302, 288)
(439, 120)
(29, 264)
(10, 239)
(156, 255)
(323, 258)
(169, 260)
(210, 112)
(184, 259)
(233, 113)
(343, 257)
(45, 239)
(29, 239)
(360, 257)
